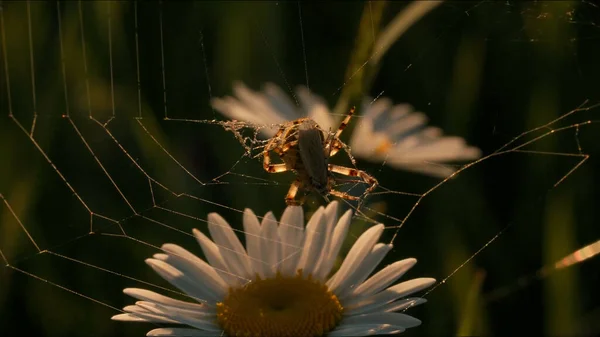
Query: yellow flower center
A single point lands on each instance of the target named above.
(280, 306)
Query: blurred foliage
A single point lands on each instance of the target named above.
(487, 71)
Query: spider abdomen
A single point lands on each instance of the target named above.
(314, 160)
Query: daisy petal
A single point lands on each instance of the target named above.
(432, 169)
(133, 309)
(390, 294)
(195, 268)
(404, 304)
(390, 307)
(196, 322)
(148, 295)
(400, 136)
(142, 317)
(313, 241)
(316, 109)
(391, 318)
(337, 238)
(167, 310)
(179, 280)
(438, 150)
(409, 123)
(366, 330)
(291, 233)
(388, 330)
(258, 104)
(281, 102)
(384, 277)
(180, 332)
(253, 239)
(363, 270)
(361, 248)
(199, 322)
(270, 244)
(232, 108)
(230, 246)
(213, 255)
(309, 236)
(330, 217)
(127, 318)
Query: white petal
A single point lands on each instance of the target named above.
(133, 309)
(196, 269)
(138, 313)
(399, 136)
(391, 318)
(168, 311)
(399, 305)
(180, 332)
(258, 104)
(291, 233)
(128, 318)
(439, 150)
(361, 248)
(148, 295)
(161, 256)
(213, 255)
(366, 330)
(373, 111)
(180, 280)
(316, 109)
(432, 169)
(233, 109)
(384, 277)
(330, 217)
(387, 330)
(313, 243)
(196, 322)
(270, 244)
(182, 316)
(390, 294)
(230, 246)
(337, 239)
(282, 102)
(150, 307)
(142, 317)
(409, 123)
(364, 269)
(252, 230)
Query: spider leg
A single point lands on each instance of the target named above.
(343, 195)
(271, 168)
(290, 198)
(287, 146)
(338, 145)
(300, 120)
(277, 168)
(335, 144)
(278, 134)
(367, 178)
(273, 145)
(344, 123)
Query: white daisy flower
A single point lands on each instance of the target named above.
(280, 284)
(386, 132)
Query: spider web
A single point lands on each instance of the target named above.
(110, 152)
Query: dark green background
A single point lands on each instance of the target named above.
(487, 71)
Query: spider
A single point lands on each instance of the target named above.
(304, 150)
